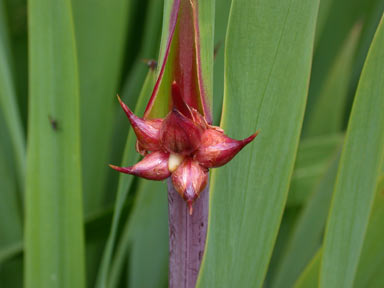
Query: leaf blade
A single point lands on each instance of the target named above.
(130, 156)
(100, 31)
(231, 235)
(370, 269)
(307, 235)
(8, 101)
(354, 189)
(54, 192)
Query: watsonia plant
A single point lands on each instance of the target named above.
(301, 206)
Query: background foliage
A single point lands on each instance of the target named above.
(302, 206)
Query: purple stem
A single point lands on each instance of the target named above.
(187, 235)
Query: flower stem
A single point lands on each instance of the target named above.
(187, 235)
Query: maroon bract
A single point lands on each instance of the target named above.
(182, 145)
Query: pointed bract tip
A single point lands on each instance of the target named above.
(112, 166)
(125, 107)
(250, 138)
(217, 149)
(153, 166)
(125, 170)
(147, 131)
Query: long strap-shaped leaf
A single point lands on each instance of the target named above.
(54, 234)
(359, 169)
(307, 234)
(130, 156)
(100, 29)
(370, 269)
(12, 148)
(147, 222)
(268, 57)
(8, 105)
(370, 272)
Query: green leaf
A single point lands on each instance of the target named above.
(334, 27)
(312, 161)
(125, 181)
(149, 47)
(310, 277)
(10, 275)
(206, 14)
(307, 235)
(268, 57)
(355, 187)
(146, 234)
(10, 209)
(8, 101)
(10, 251)
(287, 225)
(165, 61)
(328, 113)
(100, 30)
(54, 222)
(95, 226)
(12, 151)
(221, 21)
(370, 272)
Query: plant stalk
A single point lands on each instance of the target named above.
(187, 235)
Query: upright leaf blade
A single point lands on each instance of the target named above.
(371, 268)
(268, 57)
(310, 276)
(54, 231)
(221, 21)
(359, 169)
(146, 256)
(334, 26)
(312, 161)
(328, 112)
(8, 102)
(125, 181)
(12, 146)
(100, 29)
(10, 209)
(307, 234)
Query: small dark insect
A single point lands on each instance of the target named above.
(54, 123)
(216, 50)
(152, 64)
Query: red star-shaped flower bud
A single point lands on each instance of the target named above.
(182, 145)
